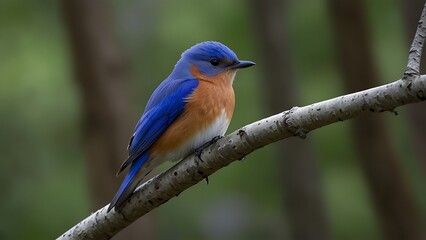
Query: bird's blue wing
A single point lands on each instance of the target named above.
(165, 105)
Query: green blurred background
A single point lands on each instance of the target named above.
(43, 166)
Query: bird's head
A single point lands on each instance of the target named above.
(211, 58)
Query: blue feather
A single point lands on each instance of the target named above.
(209, 49)
(165, 105)
(128, 185)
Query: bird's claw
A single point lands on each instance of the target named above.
(200, 149)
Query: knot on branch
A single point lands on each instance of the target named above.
(410, 74)
(291, 125)
(421, 95)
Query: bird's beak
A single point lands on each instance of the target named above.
(242, 64)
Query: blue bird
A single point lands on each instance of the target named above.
(190, 108)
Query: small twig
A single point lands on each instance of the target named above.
(414, 56)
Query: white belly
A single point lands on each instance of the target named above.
(218, 127)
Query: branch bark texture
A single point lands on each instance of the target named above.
(413, 67)
(298, 121)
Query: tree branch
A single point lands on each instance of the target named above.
(297, 121)
(413, 67)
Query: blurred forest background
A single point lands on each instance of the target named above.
(75, 77)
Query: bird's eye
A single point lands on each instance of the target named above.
(214, 61)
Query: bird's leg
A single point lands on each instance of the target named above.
(200, 149)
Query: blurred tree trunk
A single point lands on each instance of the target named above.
(394, 202)
(101, 74)
(417, 112)
(299, 170)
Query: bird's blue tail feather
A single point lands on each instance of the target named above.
(129, 184)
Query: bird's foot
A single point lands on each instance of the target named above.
(200, 149)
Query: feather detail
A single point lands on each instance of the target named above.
(130, 182)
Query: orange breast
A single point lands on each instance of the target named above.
(213, 95)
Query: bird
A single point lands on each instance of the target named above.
(188, 111)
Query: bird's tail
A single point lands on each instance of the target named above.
(129, 183)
